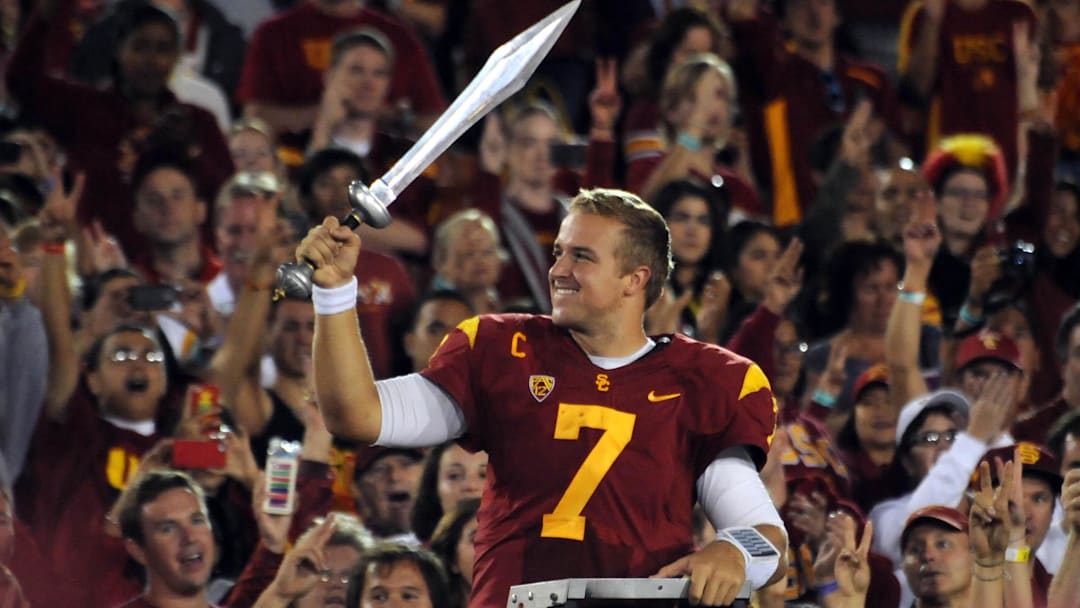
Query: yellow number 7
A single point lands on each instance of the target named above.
(566, 520)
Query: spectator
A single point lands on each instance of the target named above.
(867, 440)
(804, 85)
(386, 290)
(1062, 28)
(901, 187)
(453, 543)
(696, 221)
(211, 45)
(245, 199)
(357, 85)
(385, 483)
(336, 546)
(1062, 441)
(753, 250)
(954, 52)
(846, 524)
(468, 257)
(1040, 489)
(283, 69)
(697, 112)
(938, 563)
(938, 454)
(437, 313)
(451, 474)
(683, 33)
(526, 208)
(393, 573)
(24, 361)
(169, 215)
(252, 147)
(137, 112)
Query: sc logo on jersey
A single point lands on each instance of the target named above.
(541, 386)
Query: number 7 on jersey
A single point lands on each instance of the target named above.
(566, 520)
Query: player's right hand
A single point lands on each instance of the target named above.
(332, 249)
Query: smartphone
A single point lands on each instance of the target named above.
(570, 156)
(198, 454)
(205, 406)
(153, 297)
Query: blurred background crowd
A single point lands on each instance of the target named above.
(160, 158)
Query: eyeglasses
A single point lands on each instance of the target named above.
(342, 577)
(934, 438)
(124, 355)
(979, 195)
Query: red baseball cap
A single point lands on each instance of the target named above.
(988, 344)
(941, 514)
(875, 375)
(1037, 461)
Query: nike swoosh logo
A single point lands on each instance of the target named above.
(658, 398)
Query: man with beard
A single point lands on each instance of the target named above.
(167, 530)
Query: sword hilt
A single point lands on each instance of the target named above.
(293, 279)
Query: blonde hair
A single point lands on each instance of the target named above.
(646, 240)
(681, 80)
(450, 228)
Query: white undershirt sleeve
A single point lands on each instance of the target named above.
(416, 413)
(732, 494)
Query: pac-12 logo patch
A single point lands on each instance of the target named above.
(540, 386)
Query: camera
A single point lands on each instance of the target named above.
(1017, 260)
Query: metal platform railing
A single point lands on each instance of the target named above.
(570, 592)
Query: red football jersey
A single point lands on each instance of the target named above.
(592, 472)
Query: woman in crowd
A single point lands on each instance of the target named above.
(451, 474)
(453, 543)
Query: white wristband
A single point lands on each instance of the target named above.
(760, 556)
(334, 300)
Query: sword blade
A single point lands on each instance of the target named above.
(504, 73)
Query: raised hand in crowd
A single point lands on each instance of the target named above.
(922, 238)
(715, 301)
(1027, 55)
(239, 460)
(808, 515)
(604, 101)
(785, 280)
(990, 525)
(664, 316)
(1070, 500)
(993, 407)
(851, 566)
(98, 250)
(57, 216)
(317, 439)
(985, 270)
(196, 311)
(301, 569)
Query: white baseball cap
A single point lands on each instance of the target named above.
(954, 400)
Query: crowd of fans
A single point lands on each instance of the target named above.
(875, 201)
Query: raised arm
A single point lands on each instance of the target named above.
(921, 242)
(344, 383)
(57, 221)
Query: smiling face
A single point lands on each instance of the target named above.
(125, 383)
(964, 203)
(588, 283)
(399, 585)
(178, 544)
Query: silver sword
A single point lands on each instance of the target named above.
(507, 70)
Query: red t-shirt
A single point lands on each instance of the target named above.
(75, 471)
(975, 87)
(290, 52)
(383, 301)
(591, 471)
